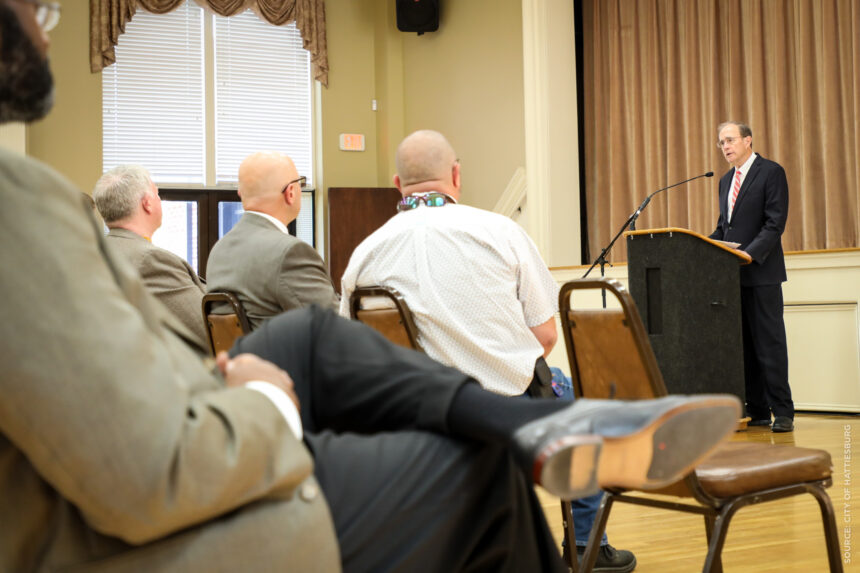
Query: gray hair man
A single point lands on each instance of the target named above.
(128, 201)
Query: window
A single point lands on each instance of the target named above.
(191, 95)
(153, 100)
(208, 214)
(262, 94)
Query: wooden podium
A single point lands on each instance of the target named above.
(687, 289)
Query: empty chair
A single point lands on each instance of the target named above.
(610, 357)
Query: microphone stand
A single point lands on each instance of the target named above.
(631, 222)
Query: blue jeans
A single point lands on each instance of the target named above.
(585, 509)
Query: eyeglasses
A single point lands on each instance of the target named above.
(301, 181)
(47, 13)
(433, 199)
(729, 140)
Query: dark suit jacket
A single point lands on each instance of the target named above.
(270, 271)
(170, 278)
(758, 220)
(120, 449)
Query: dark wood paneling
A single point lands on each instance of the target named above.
(353, 214)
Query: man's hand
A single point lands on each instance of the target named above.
(247, 368)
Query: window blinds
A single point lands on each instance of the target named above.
(153, 101)
(262, 94)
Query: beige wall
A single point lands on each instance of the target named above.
(466, 80)
(70, 138)
(346, 103)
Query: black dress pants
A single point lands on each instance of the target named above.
(404, 496)
(765, 352)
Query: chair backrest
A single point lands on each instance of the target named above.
(608, 349)
(610, 356)
(389, 315)
(224, 327)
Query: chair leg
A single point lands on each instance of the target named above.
(831, 534)
(713, 562)
(569, 536)
(709, 532)
(593, 546)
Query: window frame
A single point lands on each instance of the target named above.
(207, 215)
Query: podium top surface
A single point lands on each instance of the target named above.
(745, 258)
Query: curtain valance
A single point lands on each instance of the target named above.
(109, 17)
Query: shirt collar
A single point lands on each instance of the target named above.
(281, 227)
(745, 168)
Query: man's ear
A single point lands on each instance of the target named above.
(455, 175)
(396, 180)
(289, 196)
(146, 203)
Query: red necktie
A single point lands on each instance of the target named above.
(735, 190)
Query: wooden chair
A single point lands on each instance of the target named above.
(610, 357)
(224, 327)
(392, 318)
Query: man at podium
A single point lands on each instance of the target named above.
(753, 202)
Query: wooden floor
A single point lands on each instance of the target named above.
(781, 536)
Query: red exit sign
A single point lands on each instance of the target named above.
(351, 142)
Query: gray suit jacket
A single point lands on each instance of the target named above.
(170, 278)
(120, 449)
(271, 272)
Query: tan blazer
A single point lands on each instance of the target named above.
(169, 277)
(120, 450)
(270, 271)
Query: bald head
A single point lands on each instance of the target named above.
(262, 179)
(426, 159)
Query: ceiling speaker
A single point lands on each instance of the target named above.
(418, 16)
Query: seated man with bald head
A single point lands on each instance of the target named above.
(268, 269)
(128, 201)
(483, 299)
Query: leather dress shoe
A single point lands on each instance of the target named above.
(782, 424)
(641, 444)
(762, 422)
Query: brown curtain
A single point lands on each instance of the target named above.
(660, 75)
(109, 17)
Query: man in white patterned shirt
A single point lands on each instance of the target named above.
(482, 297)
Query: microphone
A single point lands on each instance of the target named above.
(648, 198)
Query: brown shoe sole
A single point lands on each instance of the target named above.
(658, 454)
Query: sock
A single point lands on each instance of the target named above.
(478, 414)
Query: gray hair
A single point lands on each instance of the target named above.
(742, 127)
(118, 192)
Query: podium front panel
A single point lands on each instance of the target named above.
(688, 293)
